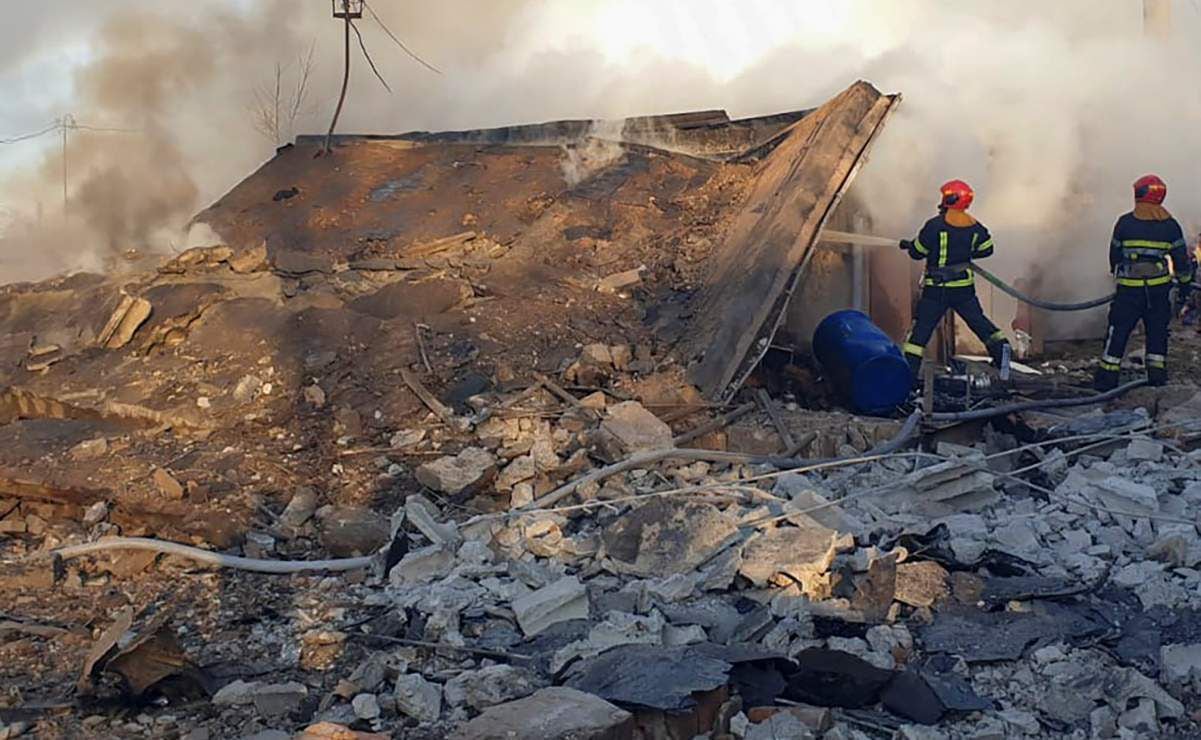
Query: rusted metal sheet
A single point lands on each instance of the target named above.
(756, 268)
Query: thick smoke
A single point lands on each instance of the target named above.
(1049, 109)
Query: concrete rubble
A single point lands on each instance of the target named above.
(864, 603)
(1008, 583)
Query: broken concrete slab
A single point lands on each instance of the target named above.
(663, 537)
(467, 471)
(490, 686)
(422, 566)
(800, 553)
(634, 429)
(1142, 449)
(618, 628)
(552, 713)
(350, 531)
(619, 280)
(1181, 663)
(561, 601)
(921, 583)
(420, 512)
(418, 698)
(167, 485)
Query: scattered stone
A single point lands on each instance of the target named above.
(1181, 663)
(522, 495)
(420, 512)
(634, 429)
(1141, 719)
(779, 725)
(300, 508)
(615, 282)
(1142, 449)
(596, 355)
(663, 537)
(407, 438)
(96, 513)
(271, 700)
(320, 649)
(237, 693)
(622, 356)
(921, 583)
(490, 686)
(90, 449)
(167, 485)
(1024, 722)
(520, 470)
(279, 699)
(595, 401)
(561, 601)
(467, 471)
(350, 531)
(314, 396)
(551, 714)
(427, 564)
(802, 554)
(366, 706)
(248, 389)
(252, 259)
(418, 698)
(1124, 495)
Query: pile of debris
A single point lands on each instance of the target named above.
(571, 560)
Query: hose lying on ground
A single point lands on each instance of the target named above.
(278, 567)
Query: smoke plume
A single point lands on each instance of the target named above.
(1050, 110)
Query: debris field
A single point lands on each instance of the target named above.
(433, 458)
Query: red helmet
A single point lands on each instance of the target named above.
(957, 195)
(1150, 189)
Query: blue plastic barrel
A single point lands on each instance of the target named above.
(866, 366)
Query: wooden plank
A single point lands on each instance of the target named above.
(432, 403)
(773, 413)
(429, 249)
(795, 189)
(720, 422)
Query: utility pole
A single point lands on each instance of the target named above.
(1157, 18)
(65, 124)
(347, 10)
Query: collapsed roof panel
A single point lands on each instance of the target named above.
(753, 271)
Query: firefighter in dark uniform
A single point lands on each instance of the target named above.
(947, 244)
(1143, 241)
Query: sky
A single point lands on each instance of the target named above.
(1050, 109)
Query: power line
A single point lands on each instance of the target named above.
(105, 129)
(400, 43)
(68, 124)
(363, 46)
(25, 137)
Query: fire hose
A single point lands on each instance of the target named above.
(880, 241)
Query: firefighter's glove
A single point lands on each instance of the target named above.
(906, 245)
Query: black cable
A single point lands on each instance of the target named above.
(363, 46)
(400, 43)
(1054, 403)
(25, 137)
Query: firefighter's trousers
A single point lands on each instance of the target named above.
(933, 305)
